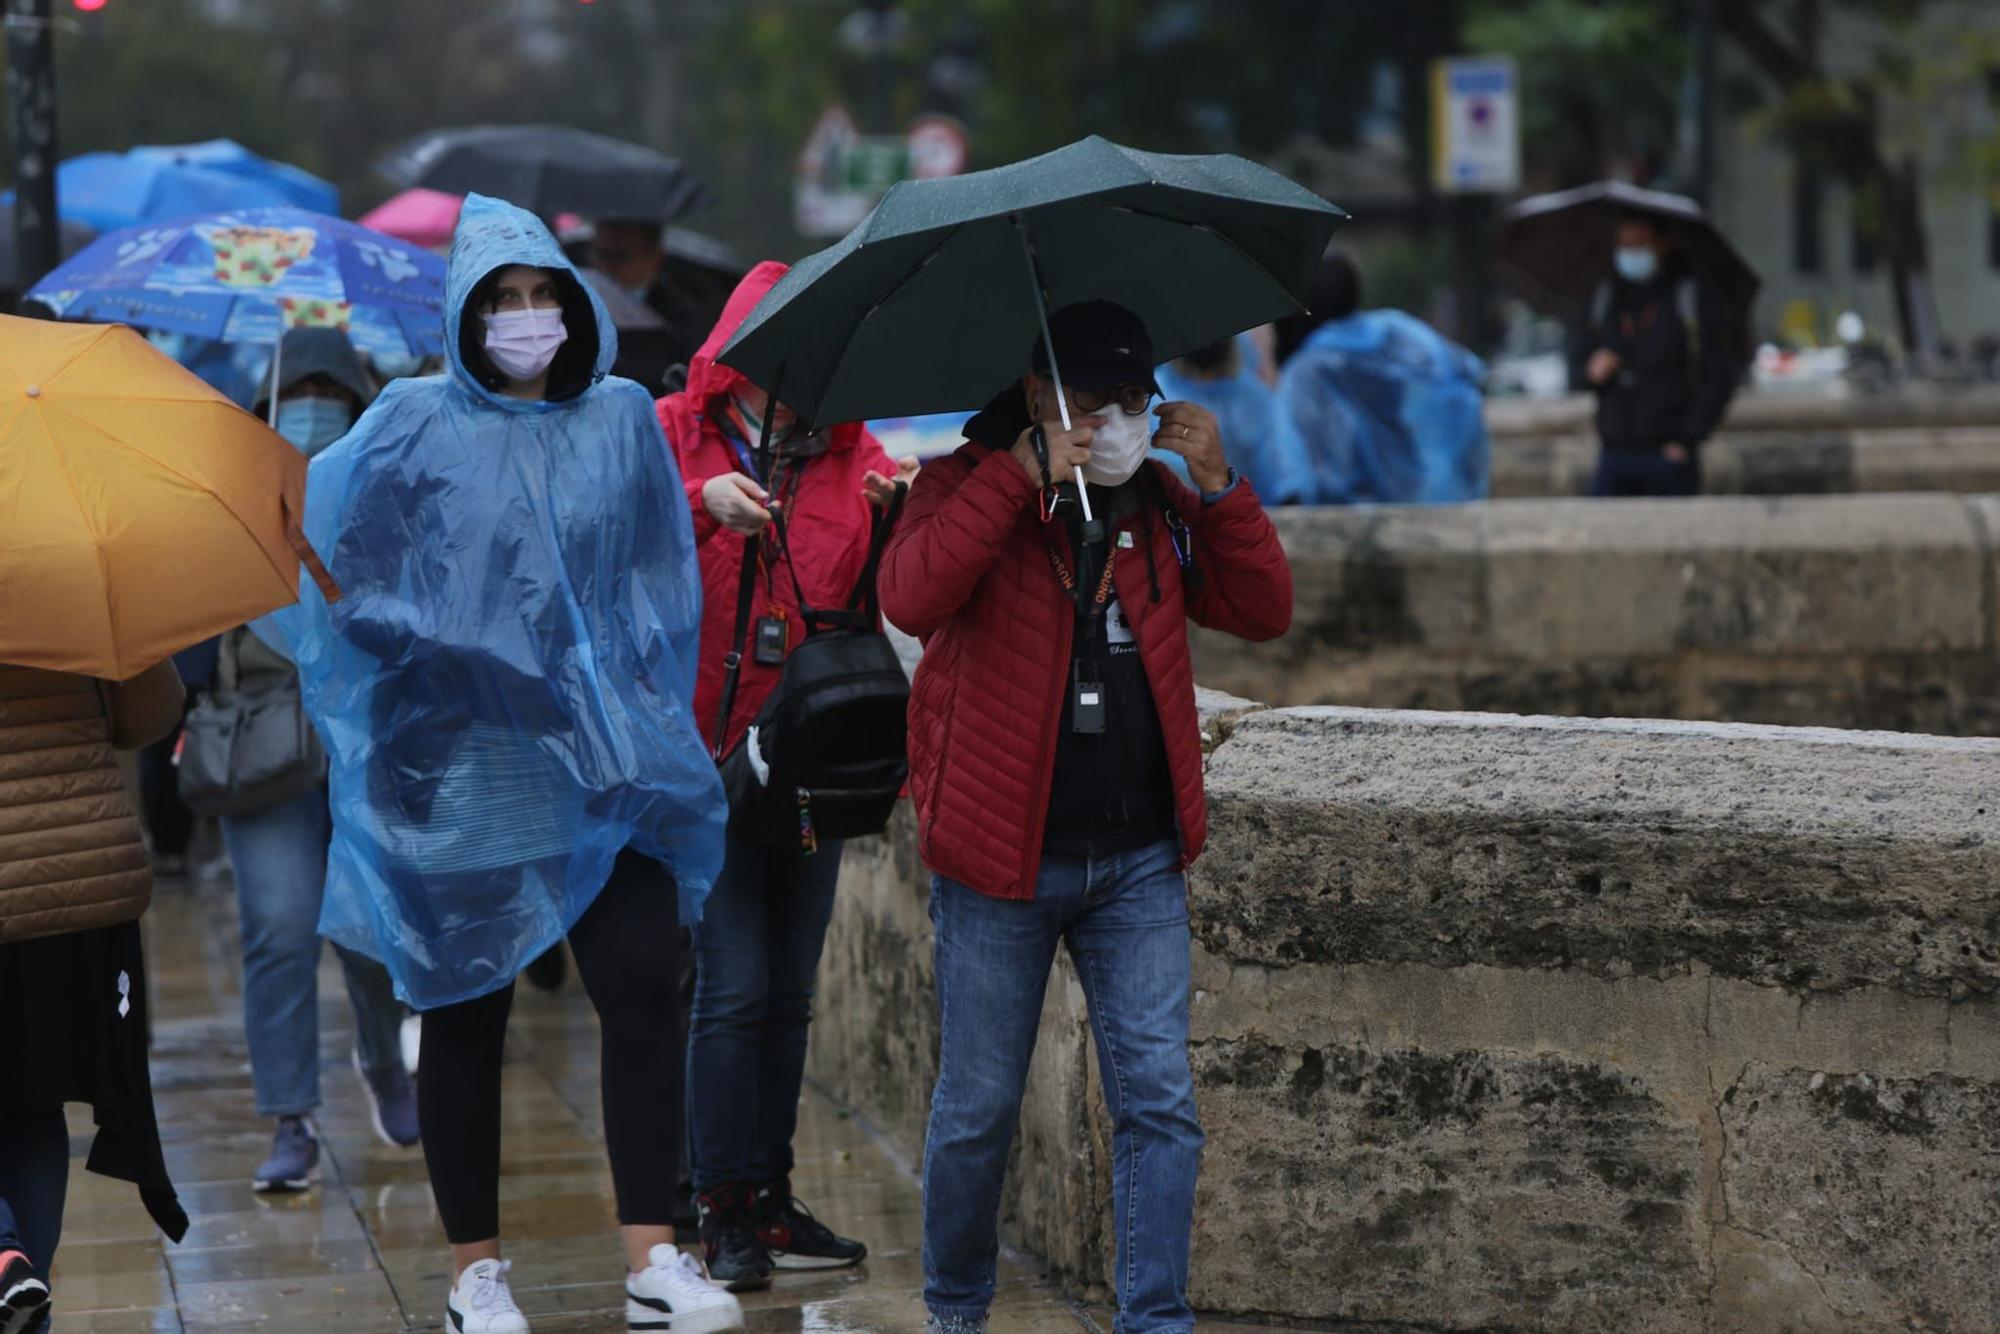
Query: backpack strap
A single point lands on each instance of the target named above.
(864, 597)
(732, 662)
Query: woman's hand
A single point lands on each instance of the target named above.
(881, 490)
(736, 502)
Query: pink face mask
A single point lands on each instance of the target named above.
(522, 343)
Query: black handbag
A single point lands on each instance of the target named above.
(827, 754)
(246, 751)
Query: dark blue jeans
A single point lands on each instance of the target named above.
(1644, 473)
(757, 953)
(34, 1181)
(1124, 919)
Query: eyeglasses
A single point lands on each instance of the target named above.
(1132, 399)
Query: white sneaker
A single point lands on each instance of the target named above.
(674, 1293)
(412, 1036)
(480, 1303)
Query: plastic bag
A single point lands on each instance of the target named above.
(506, 686)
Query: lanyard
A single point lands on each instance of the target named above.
(1087, 612)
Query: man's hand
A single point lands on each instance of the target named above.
(880, 490)
(1068, 450)
(736, 502)
(1603, 364)
(1676, 453)
(1191, 431)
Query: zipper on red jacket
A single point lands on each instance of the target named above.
(1039, 818)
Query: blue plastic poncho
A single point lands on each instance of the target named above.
(1381, 407)
(505, 687)
(1241, 403)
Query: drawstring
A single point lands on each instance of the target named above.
(1152, 559)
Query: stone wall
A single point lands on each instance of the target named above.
(1536, 1024)
(1851, 611)
(1774, 444)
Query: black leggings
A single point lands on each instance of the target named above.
(627, 947)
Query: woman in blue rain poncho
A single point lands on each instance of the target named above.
(505, 690)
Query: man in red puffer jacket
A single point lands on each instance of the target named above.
(1056, 764)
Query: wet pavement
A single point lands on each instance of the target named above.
(363, 1249)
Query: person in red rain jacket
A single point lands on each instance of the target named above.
(1056, 763)
(758, 945)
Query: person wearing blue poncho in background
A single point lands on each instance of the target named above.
(505, 687)
(1373, 405)
(1228, 379)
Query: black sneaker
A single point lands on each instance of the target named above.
(24, 1297)
(794, 1238)
(736, 1259)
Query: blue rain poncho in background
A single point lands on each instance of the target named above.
(506, 685)
(1241, 402)
(1381, 407)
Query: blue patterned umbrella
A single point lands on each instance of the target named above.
(246, 275)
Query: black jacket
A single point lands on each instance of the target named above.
(1674, 382)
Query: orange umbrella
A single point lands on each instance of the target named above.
(140, 510)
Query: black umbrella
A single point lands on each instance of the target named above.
(550, 169)
(934, 302)
(1556, 248)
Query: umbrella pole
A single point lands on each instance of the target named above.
(1092, 531)
(277, 364)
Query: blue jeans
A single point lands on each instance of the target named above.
(757, 950)
(1644, 473)
(279, 859)
(1125, 920)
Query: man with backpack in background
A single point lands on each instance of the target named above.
(1056, 764)
(1661, 356)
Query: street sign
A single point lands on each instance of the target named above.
(1475, 125)
(842, 173)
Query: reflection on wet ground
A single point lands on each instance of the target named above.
(363, 1249)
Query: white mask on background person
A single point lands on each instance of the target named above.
(1636, 264)
(522, 343)
(1118, 447)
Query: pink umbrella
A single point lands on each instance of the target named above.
(421, 217)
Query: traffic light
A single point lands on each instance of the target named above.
(88, 6)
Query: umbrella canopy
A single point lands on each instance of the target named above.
(628, 312)
(549, 169)
(422, 217)
(159, 184)
(243, 276)
(933, 303)
(145, 511)
(1556, 248)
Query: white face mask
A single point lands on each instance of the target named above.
(1118, 447)
(522, 343)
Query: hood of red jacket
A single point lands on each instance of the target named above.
(709, 381)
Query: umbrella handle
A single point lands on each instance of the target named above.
(277, 364)
(303, 548)
(1049, 342)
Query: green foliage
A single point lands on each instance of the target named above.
(1598, 81)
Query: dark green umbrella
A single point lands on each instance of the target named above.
(934, 302)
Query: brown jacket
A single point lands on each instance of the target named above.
(70, 853)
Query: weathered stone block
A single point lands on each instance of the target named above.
(1459, 1191)
(1882, 1194)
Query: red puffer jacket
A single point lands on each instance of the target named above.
(828, 519)
(968, 572)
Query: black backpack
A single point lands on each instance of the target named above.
(827, 754)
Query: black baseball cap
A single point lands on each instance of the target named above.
(1099, 345)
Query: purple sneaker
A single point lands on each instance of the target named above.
(392, 1100)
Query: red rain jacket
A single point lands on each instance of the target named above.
(968, 572)
(828, 519)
